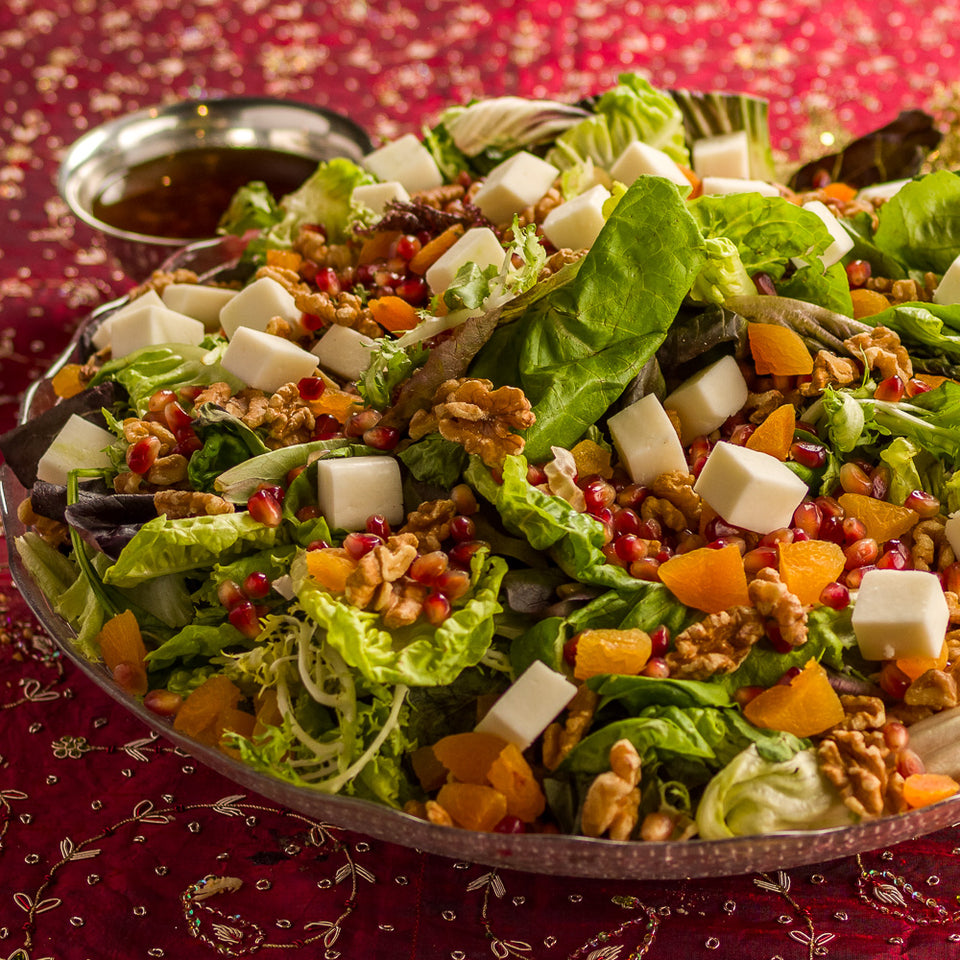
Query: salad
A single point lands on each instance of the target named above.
(558, 470)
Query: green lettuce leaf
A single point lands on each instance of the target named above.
(723, 275)
(252, 207)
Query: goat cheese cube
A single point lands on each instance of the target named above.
(344, 352)
(578, 222)
(479, 245)
(723, 155)
(528, 706)
(948, 289)
(842, 241)
(725, 186)
(407, 161)
(199, 301)
(750, 489)
(375, 196)
(101, 336)
(152, 325)
(639, 158)
(900, 613)
(79, 443)
(256, 305)
(350, 489)
(646, 440)
(882, 191)
(514, 184)
(266, 362)
(707, 398)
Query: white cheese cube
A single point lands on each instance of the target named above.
(948, 289)
(900, 613)
(750, 489)
(528, 706)
(646, 440)
(344, 352)
(151, 325)
(79, 443)
(707, 398)
(376, 196)
(724, 186)
(479, 245)
(199, 301)
(842, 241)
(407, 161)
(514, 184)
(723, 155)
(101, 336)
(350, 489)
(639, 158)
(882, 191)
(578, 222)
(266, 362)
(256, 305)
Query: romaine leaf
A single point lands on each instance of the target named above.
(252, 207)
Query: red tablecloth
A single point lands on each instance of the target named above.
(103, 828)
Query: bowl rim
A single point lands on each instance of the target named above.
(86, 146)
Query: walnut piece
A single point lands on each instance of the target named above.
(399, 604)
(676, 487)
(559, 740)
(936, 689)
(854, 761)
(52, 531)
(715, 645)
(383, 564)
(772, 598)
(612, 802)
(168, 470)
(430, 523)
(175, 504)
(135, 430)
(930, 549)
(829, 370)
(761, 405)
(470, 412)
(861, 713)
(882, 351)
(159, 280)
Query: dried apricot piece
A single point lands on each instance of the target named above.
(511, 775)
(591, 459)
(431, 773)
(805, 706)
(338, 403)
(330, 566)
(473, 805)
(379, 246)
(68, 381)
(840, 191)
(237, 721)
(915, 667)
(707, 579)
(807, 566)
(123, 652)
(778, 350)
(201, 713)
(611, 651)
(284, 259)
(867, 303)
(393, 313)
(884, 521)
(468, 755)
(775, 435)
(922, 789)
(432, 251)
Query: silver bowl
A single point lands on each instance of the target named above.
(296, 134)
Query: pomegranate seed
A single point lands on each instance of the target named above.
(722, 542)
(893, 681)
(264, 508)
(895, 734)
(771, 539)
(382, 438)
(854, 479)
(910, 763)
(666, 552)
(142, 454)
(891, 389)
(629, 547)
(570, 650)
(788, 676)
(835, 595)
(854, 529)
(318, 545)
(359, 423)
(656, 667)
(428, 566)
(408, 246)
(229, 593)
(660, 641)
(453, 584)
(626, 521)
(310, 322)
(310, 512)
(861, 553)
(364, 275)
(510, 824)
(177, 418)
(315, 228)
(378, 525)
(598, 495)
(755, 560)
(950, 577)
(311, 388)
(436, 608)
(764, 284)
(609, 551)
(462, 553)
(360, 544)
(808, 454)
(326, 427)
(699, 448)
(831, 530)
(273, 489)
(164, 703)
(718, 529)
(462, 528)
(632, 495)
(923, 503)
(800, 535)
(808, 517)
(244, 617)
(858, 272)
(775, 636)
(742, 433)
(256, 585)
(464, 500)
(820, 179)
(697, 465)
(188, 443)
(829, 507)
(646, 569)
(327, 280)
(914, 386)
(158, 402)
(414, 290)
(853, 578)
(881, 481)
(743, 695)
(536, 475)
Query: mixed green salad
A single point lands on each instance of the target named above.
(557, 536)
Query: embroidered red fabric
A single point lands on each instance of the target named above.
(106, 832)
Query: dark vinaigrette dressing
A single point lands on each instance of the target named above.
(183, 195)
